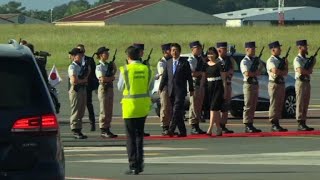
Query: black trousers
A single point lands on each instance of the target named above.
(178, 114)
(135, 131)
(90, 106)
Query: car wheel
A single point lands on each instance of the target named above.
(289, 109)
(237, 113)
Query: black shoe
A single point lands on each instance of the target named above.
(165, 133)
(278, 128)
(304, 127)
(77, 134)
(93, 127)
(132, 172)
(106, 133)
(251, 129)
(196, 129)
(225, 130)
(146, 134)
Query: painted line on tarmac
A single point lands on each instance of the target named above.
(81, 178)
(98, 155)
(101, 149)
(304, 158)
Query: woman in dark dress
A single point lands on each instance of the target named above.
(214, 89)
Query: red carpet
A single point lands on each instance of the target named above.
(262, 134)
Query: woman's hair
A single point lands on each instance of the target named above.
(214, 50)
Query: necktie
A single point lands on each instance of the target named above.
(174, 66)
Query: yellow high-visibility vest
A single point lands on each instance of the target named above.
(136, 101)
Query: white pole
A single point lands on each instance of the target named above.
(51, 15)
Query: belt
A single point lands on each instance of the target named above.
(214, 78)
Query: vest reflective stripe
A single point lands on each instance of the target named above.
(136, 96)
(126, 78)
(136, 101)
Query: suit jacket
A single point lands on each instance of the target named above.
(177, 82)
(93, 82)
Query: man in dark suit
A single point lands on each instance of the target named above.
(176, 76)
(93, 84)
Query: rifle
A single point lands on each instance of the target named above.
(146, 62)
(282, 63)
(310, 61)
(109, 72)
(256, 62)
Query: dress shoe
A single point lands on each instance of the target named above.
(225, 130)
(132, 172)
(165, 133)
(251, 129)
(79, 135)
(196, 129)
(93, 127)
(209, 134)
(278, 128)
(146, 134)
(108, 135)
(304, 127)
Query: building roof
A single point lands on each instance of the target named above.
(302, 13)
(108, 10)
(8, 16)
(140, 12)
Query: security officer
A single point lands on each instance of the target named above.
(105, 91)
(276, 86)
(250, 72)
(196, 101)
(140, 46)
(165, 110)
(134, 81)
(77, 93)
(92, 85)
(302, 85)
(227, 73)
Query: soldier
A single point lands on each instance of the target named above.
(196, 101)
(77, 93)
(105, 91)
(276, 87)
(165, 110)
(134, 81)
(140, 46)
(92, 85)
(250, 72)
(302, 86)
(227, 73)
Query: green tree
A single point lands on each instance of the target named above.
(12, 7)
(100, 2)
(76, 7)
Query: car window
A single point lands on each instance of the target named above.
(21, 86)
(236, 63)
(263, 68)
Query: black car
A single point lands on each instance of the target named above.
(30, 144)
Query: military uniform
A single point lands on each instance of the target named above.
(77, 97)
(227, 87)
(250, 89)
(196, 101)
(166, 107)
(303, 88)
(105, 94)
(276, 90)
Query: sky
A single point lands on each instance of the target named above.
(41, 4)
